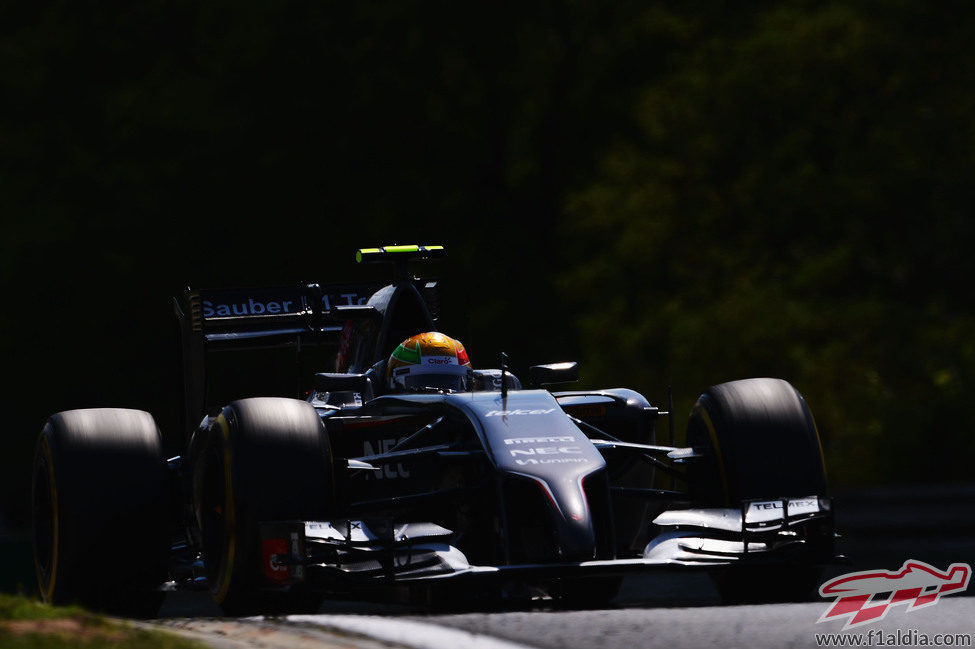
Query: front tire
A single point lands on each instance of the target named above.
(760, 441)
(101, 511)
(264, 459)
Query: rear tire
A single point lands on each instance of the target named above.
(265, 459)
(761, 442)
(101, 511)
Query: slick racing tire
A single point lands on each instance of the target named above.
(760, 441)
(265, 459)
(101, 511)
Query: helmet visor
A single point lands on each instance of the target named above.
(445, 382)
(455, 380)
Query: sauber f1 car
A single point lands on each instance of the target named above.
(298, 484)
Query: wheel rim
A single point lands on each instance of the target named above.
(213, 521)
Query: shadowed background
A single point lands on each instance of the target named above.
(672, 193)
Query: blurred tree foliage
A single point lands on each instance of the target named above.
(796, 203)
(677, 192)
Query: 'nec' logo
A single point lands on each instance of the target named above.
(389, 469)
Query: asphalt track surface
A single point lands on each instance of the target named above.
(663, 619)
(883, 528)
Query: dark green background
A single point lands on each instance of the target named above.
(673, 193)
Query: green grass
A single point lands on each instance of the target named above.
(28, 624)
(17, 563)
(14, 607)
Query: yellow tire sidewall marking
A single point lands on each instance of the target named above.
(819, 442)
(48, 590)
(702, 412)
(230, 516)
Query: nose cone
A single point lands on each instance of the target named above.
(573, 520)
(528, 435)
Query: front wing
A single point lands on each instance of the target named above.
(786, 530)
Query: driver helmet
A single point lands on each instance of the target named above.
(429, 361)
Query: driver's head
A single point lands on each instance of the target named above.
(429, 361)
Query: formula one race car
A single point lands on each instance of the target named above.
(298, 484)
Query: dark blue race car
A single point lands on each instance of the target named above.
(298, 484)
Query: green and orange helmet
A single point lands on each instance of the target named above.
(429, 361)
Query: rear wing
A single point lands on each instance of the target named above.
(241, 343)
(270, 316)
(271, 341)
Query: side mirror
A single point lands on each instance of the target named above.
(552, 373)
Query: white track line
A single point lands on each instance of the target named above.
(410, 633)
